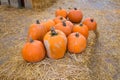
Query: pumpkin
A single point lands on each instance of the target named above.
(37, 31)
(49, 24)
(55, 42)
(69, 24)
(76, 43)
(91, 23)
(33, 51)
(75, 15)
(63, 27)
(59, 19)
(61, 12)
(82, 28)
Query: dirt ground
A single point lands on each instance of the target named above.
(100, 61)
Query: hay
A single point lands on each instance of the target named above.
(72, 65)
(100, 61)
(12, 65)
(42, 4)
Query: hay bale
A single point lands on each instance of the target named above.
(72, 65)
(38, 4)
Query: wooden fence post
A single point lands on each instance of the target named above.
(4, 2)
(28, 3)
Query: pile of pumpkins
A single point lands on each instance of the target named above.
(54, 37)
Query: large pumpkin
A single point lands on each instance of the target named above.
(63, 27)
(59, 19)
(33, 51)
(75, 15)
(82, 28)
(37, 31)
(55, 42)
(76, 43)
(61, 12)
(91, 23)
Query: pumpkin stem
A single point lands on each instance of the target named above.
(64, 24)
(60, 8)
(92, 20)
(69, 8)
(53, 32)
(31, 40)
(77, 34)
(81, 24)
(61, 18)
(75, 8)
(37, 21)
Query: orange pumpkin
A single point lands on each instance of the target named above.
(69, 24)
(33, 51)
(61, 12)
(75, 15)
(59, 19)
(91, 23)
(76, 43)
(55, 42)
(63, 27)
(82, 28)
(37, 31)
(49, 24)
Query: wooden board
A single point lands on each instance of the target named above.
(15, 3)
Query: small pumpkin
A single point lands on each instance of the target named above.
(37, 31)
(59, 19)
(75, 15)
(63, 27)
(76, 43)
(49, 24)
(55, 42)
(33, 51)
(61, 12)
(91, 23)
(82, 28)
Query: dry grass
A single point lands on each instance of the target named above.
(12, 65)
(42, 4)
(100, 60)
(70, 67)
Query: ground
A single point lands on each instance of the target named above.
(100, 61)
